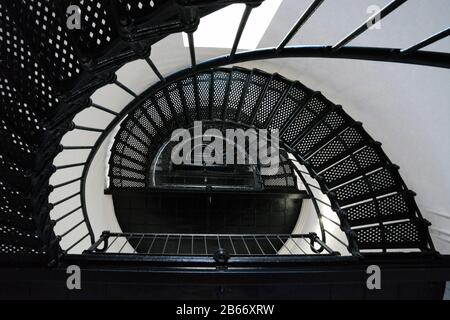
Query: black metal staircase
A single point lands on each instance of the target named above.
(364, 188)
(48, 74)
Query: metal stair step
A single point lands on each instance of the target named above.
(341, 146)
(275, 93)
(402, 235)
(393, 207)
(374, 184)
(254, 87)
(363, 161)
(238, 82)
(332, 124)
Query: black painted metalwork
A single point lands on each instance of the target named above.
(50, 73)
(300, 22)
(192, 49)
(242, 24)
(434, 38)
(316, 125)
(209, 244)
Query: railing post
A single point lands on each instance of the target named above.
(242, 24)
(103, 238)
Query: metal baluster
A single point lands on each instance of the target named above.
(242, 24)
(192, 50)
(300, 22)
(83, 128)
(67, 214)
(124, 244)
(125, 88)
(165, 245)
(77, 243)
(260, 248)
(155, 69)
(339, 240)
(232, 245)
(66, 199)
(284, 245)
(151, 245)
(72, 229)
(273, 247)
(63, 184)
(434, 38)
(365, 26)
(137, 246)
(99, 107)
(69, 166)
(112, 242)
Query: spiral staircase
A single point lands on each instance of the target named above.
(48, 74)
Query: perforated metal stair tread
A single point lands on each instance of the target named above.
(400, 235)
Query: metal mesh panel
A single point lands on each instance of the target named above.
(295, 99)
(175, 98)
(152, 112)
(220, 83)
(307, 116)
(138, 131)
(124, 149)
(364, 213)
(38, 22)
(255, 89)
(379, 182)
(204, 92)
(14, 173)
(14, 145)
(124, 162)
(165, 111)
(140, 118)
(284, 178)
(397, 206)
(362, 161)
(189, 98)
(403, 234)
(18, 238)
(123, 182)
(30, 80)
(127, 174)
(18, 112)
(237, 89)
(396, 235)
(273, 95)
(139, 8)
(393, 207)
(334, 121)
(331, 153)
(98, 27)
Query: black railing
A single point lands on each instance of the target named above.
(410, 55)
(216, 245)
